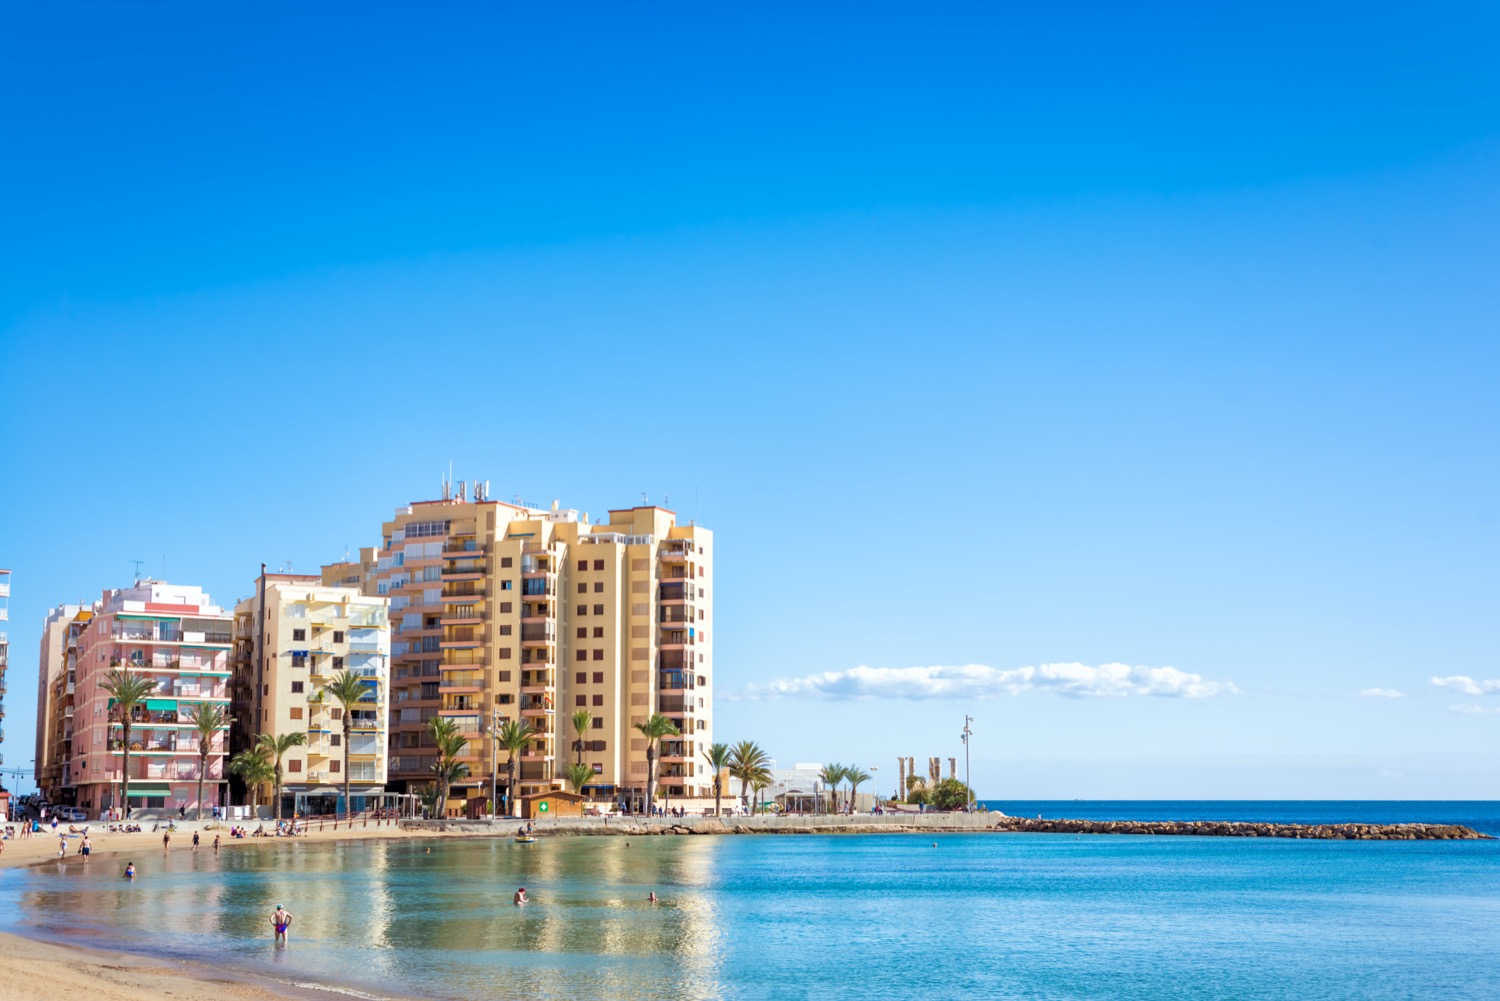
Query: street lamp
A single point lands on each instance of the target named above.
(875, 771)
(496, 717)
(965, 738)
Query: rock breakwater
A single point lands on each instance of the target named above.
(1244, 829)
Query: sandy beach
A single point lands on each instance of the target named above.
(33, 969)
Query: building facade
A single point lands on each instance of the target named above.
(176, 636)
(505, 612)
(309, 633)
(57, 677)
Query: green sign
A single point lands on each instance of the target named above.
(543, 806)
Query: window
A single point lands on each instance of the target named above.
(333, 765)
(598, 564)
(299, 635)
(337, 712)
(598, 677)
(507, 585)
(504, 675)
(700, 613)
(505, 561)
(598, 700)
(505, 630)
(598, 721)
(299, 659)
(580, 609)
(580, 700)
(581, 677)
(598, 587)
(294, 766)
(297, 687)
(583, 564)
(335, 739)
(701, 571)
(598, 768)
(583, 588)
(504, 606)
(598, 745)
(581, 655)
(598, 609)
(598, 631)
(338, 636)
(583, 632)
(296, 712)
(338, 663)
(505, 653)
(598, 654)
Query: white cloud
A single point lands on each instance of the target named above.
(979, 681)
(1476, 710)
(1382, 693)
(1466, 685)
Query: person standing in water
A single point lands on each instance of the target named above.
(281, 920)
(130, 870)
(520, 897)
(195, 841)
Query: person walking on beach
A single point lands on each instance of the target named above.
(281, 920)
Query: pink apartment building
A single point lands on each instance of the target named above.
(177, 636)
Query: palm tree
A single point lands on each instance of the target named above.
(581, 721)
(747, 762)
(128, 691)
(275, 747)
(831, 776)
(349, 688)
(718, 759)
(513, 735)
(579, 776)
(655, 728)
(208, 718)
(254, 767)
(854, 776)
(450, 744)
(428, 794)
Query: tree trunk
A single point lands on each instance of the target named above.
(510, 786)
(125, 765)
(650, 776)
(278, 790)
(202, 770)
(718, 786)
(348, 803)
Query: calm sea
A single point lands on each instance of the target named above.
(981, 916)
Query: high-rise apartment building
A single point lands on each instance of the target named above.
(176, 636)
(309, 633)
(57, 678)
(4, 650)
(503, 612)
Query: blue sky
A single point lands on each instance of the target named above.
(1163, 338)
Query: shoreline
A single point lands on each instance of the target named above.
(39, 961)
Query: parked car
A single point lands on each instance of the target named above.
(72, 814)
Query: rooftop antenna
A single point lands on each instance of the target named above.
(137, 569)
(644, 499)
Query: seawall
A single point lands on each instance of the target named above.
(944, 823)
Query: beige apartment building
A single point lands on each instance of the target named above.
(503, 612)
(57, 679)
(309, 632)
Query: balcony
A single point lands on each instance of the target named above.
(683, 591)
(462, 573)
(540, 634)
(676, 639)
(676, 681)
(539, 585)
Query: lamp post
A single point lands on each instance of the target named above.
(875, 771)
(496, 717)
(966, 735)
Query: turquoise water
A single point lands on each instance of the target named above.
(991, 916)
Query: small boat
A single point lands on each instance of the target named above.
(524, 839)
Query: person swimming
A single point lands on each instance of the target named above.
(651, 896)
(520, 897)
(281, 920)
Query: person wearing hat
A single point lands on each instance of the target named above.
(281, 920)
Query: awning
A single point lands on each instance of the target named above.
(149, 789)
(161, 704)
